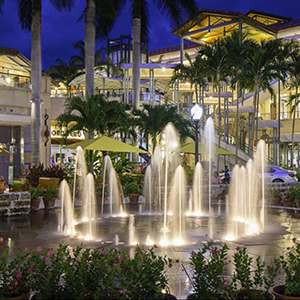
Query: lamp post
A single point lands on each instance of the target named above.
(196, 113)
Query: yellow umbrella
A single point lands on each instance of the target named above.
(105, 143)
(190, 148)
(4, 151)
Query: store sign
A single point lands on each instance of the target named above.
(59, 132)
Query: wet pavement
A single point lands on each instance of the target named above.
(40, 229)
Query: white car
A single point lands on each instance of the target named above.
(275, 174)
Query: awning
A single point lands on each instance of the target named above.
(190, 148)
(287, 138)
(105, 143)
(269, 123)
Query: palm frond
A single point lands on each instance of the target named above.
(63, 4)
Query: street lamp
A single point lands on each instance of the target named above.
(196, 113)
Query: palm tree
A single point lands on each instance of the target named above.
(95, 116)
(237, 47)
(30, 17)
(63, 72)
(140, 23)
(216, 60)
(80, 58)
(193, 73)
(294, 83)
(262, 68)
(99, 17)
(153, 119)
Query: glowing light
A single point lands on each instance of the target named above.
(8, 79)
(149, 242)
(134, 243)
(229, 237)
(80, 237)
(252, 229)
(68, 232)
(210, 97)
(84, 220)
(123, 215)
(178, 242)
(188, 214)
(164, 242)
(75, 223)
(163, 69)
(88, 237)
(170, 213)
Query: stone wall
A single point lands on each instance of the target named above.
(14, 204)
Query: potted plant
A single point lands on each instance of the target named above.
(32, 174)
(290, 264)
(133, 191)
(248, 284)
(209, 265)
(51, 176)
(36, 194)
(50, 195)
(289, 197)
(1, 184)
(275, 197)
(18, 186)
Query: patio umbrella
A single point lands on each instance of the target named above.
(105, 143)
(3, 151)
(190, 148)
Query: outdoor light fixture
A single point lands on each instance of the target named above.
(8, 80)
(196, 113)
(163, 69)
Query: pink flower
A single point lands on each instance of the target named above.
(51, 249)
(19, 274)
(74, 250)
(26, 249)
(30, 269)
(39, 249)
(225, 283)
(92, 252)
(42, 276)
(155, 246)
(10, 288)
(120, 291)
(48, 254)
(238, 248)
(294, 240)
(193, 253)
(170, 265)
(148, 254)
(1, 240)
(218, 251)
(29, 256)
(288, 248)
(213, 251)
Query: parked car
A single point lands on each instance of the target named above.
(272, 174)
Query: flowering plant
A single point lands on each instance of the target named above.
(290, 264)
(252, 284)
(14, 274)
(209, 266)
(1, 178)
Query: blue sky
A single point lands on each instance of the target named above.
(61, 30)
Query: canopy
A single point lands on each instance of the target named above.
(3, 151)
(105, 143)
(190, 148)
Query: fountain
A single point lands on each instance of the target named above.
(80, 173)
(246, 209)
(67, 210)
(115, 194)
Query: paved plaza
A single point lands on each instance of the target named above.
(40, 229)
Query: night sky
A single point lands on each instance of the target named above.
(61, 30)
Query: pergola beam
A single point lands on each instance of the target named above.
(210, 27)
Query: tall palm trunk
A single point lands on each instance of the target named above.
(293, 127)
(90, 37)
(256, 121)
(136, 49)
(237, 126)
(251, 133)
(219, 99)
(36, 81)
